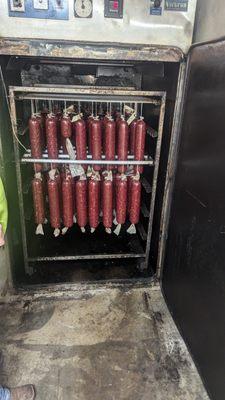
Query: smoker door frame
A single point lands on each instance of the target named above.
(193, 273)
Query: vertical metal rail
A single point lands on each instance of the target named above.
(171, 169)
(19, 180)
(155, 177)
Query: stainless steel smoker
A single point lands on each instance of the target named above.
(106, 57)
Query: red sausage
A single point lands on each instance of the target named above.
(66, 126)
(89, 122)
(35, 140)
(81, 203)
(94, 202)
(38, 198)
(110, 141)
(139, 150)
(96, 142)
(122, 144)
(43, 141)
(74, 195)
(121, 200)
(67, 196)
(81, 140)
(132, 136)
(54, 207)
(51, 136)
(135, 201)
(129, 184)
(58, 123)
(107, 204)
(104, 122)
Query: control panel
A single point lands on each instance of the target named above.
(150, 22)
(43, 9)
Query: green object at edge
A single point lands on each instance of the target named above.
(3, 208)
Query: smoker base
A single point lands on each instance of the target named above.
(96, 344)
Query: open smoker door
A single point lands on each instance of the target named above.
(194, 267)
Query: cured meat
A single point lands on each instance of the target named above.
(135, 204)
(132, 136)
(67, 197)
(121, 199)
(104, 122)
(58, 116)
(129, 184)
(81, 140)
(122, 144)
(107, 202)
(38, 199)
(81, 202)
(66, 126)
(54, 204)
(94, 201)
(110, 141)
(51, 136)
(121, 202)
(96, 142)
(89, 122)
(139, 150)
(35, 140)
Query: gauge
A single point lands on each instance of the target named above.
(83, 8)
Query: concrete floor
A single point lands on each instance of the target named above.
(108, 344)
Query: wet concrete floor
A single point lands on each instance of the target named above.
(107, 344)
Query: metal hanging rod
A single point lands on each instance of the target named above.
(46, 160)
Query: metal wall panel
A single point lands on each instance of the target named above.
(138, 26)
(210, 17)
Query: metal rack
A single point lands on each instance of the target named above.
(94, 95)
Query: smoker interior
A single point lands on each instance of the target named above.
(66, 258)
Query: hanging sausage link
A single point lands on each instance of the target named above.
(94, 200)
(81, 140)
(51, 136)
(139, 150)
(96, 142)
(107, 202)
(81, 202)
(135, 204)
(35, 140)
(121, 202)
(38, 199)
(122, 147)
(54, 203)
(110, 141)
(68, 208)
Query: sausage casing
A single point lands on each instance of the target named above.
(81, 202)
(135, 201)
(35, 140)
(67, 197)
(139, 150)
(107, 203)
(94, 202)
(81, 140)
(66, 126)
(121, 200)
(96, 142)
(38, 199)
(132, 136)
(51, 136)
(54, 205)
(110, 141)
(122, 144)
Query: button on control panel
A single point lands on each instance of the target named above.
(113, 9)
